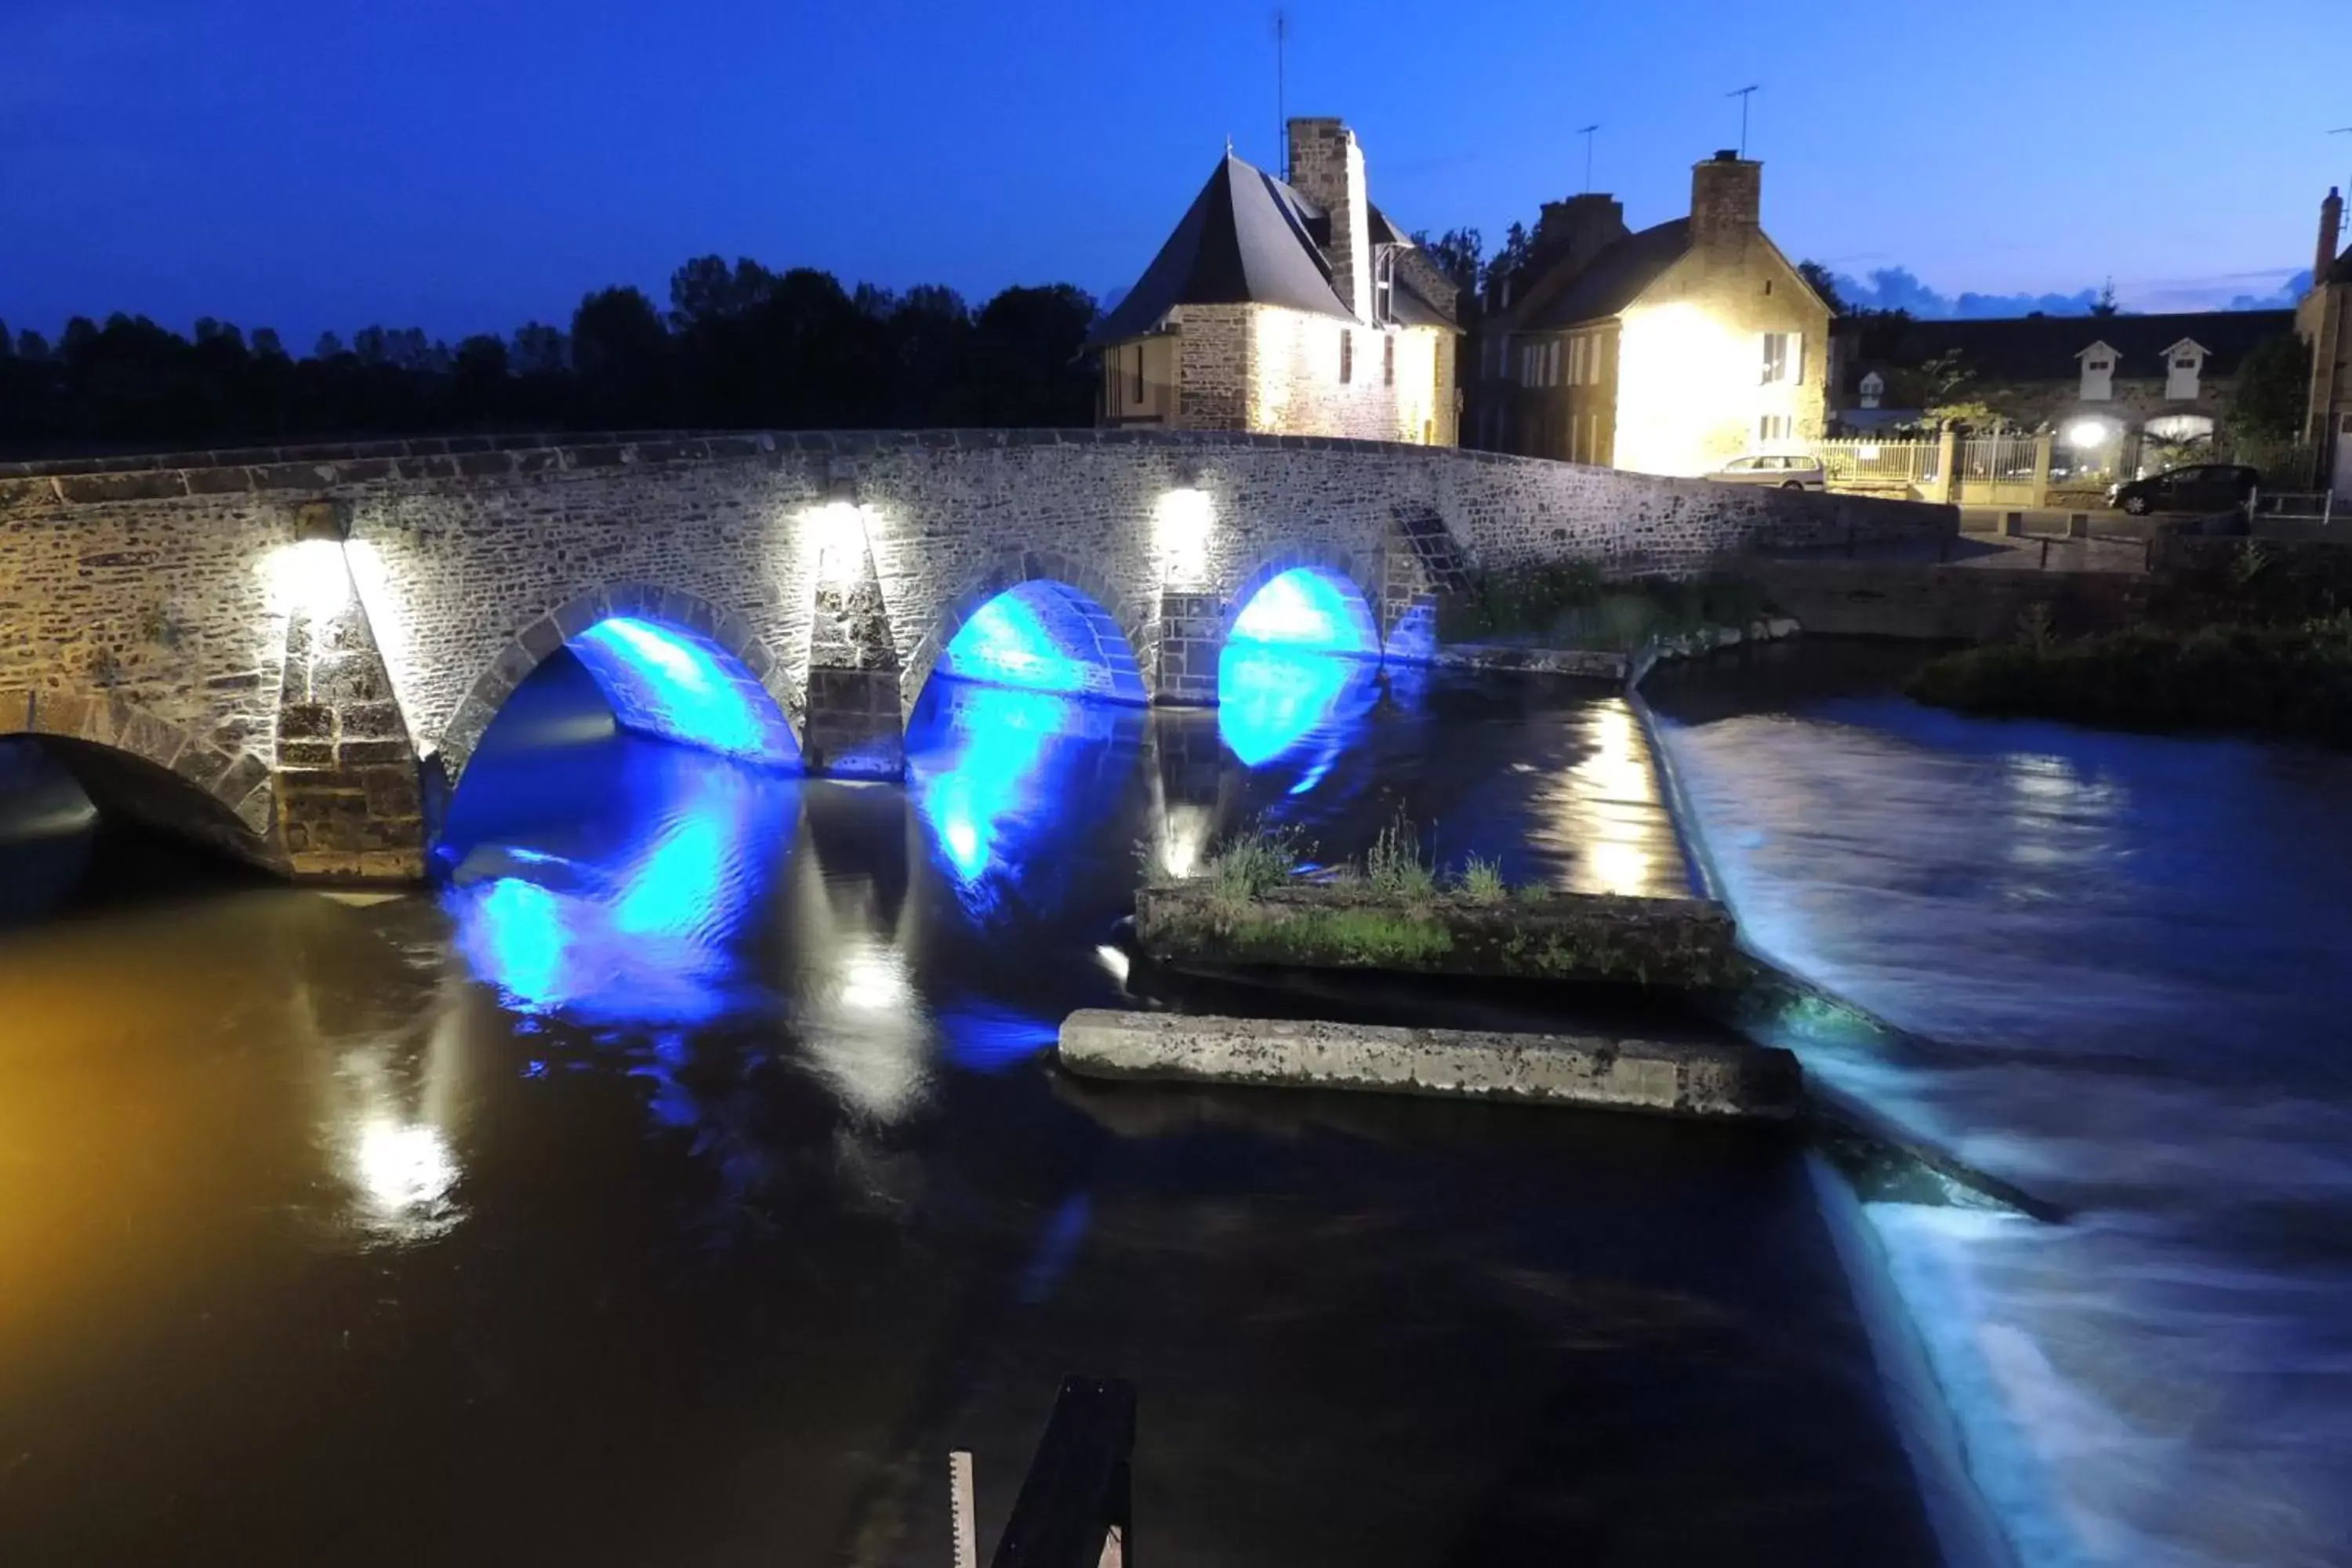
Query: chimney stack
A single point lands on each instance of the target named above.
(1573, 232)
(1327, 167)
(2331, 234)
(1726, 200)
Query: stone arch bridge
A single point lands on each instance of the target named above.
(289, 653)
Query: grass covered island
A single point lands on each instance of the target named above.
(1391, 911)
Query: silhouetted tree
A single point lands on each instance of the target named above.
(741, 346)
(621, 353)
(1459, 253)
(1824, 283)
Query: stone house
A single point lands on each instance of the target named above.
(1291, 307)
(2323, 319)
(2105, 384)
(1669, 351)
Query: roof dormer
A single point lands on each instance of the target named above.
(2184, 364)
(2099, 372)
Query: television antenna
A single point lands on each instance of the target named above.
(1587, 134)
(1281, 91)
(1743, 95)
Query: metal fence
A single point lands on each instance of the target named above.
(1883, 462)
(1996, 460)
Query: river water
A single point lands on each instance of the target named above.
(683, 1179)
(2130, 961)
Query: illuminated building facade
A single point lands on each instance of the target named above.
(2323, 319)
(1668, 351)
(1290, 307)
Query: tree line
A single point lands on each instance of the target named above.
(741, 347)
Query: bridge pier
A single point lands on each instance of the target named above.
(350, 805)
(853, 725)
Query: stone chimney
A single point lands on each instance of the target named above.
(1573, 232)
(1327, 167)
(2331, 234)
(1726, 201)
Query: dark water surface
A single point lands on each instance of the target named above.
(684, 1180)
(2132, 959)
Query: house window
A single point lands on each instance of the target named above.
(1387, 358)
(1530, 361)
(1551, 363)
(2182, 363)
(1347, 356)
(2098, 373)
(1579, 350)
(1137, 393)
(1777, 355)
(1772, 428)
(1873, 389)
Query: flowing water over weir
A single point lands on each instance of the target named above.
(683, 1178)
(2126, 961)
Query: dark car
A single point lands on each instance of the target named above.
(2202, 486)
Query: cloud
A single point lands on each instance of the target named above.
(1898, 289)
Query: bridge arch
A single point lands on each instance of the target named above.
(1324, 586)
(138, 767)
(668, 663)
(1066, 601)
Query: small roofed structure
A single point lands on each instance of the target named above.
(1290, 307)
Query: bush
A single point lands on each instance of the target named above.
(2287, 680)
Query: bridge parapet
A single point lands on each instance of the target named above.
(325, 622)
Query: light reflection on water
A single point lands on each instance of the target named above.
(2127, 954)
(696, 1124)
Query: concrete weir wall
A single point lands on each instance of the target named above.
(234, 619)
(1730, 1079)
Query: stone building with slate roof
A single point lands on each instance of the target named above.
(2323, 318)
(2107, 385)
(1286, 306)
(1671, 350)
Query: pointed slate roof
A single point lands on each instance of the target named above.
(1246, 239)
(1612, 279)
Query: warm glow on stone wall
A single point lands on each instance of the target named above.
(1180, 520)
(1687, 390)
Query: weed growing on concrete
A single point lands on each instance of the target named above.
(1393, 866)
(1482, 881)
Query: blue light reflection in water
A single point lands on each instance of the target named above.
(681, 686)
(1273, 702)
(643, 930)
(1000, 777)
(1298, 674)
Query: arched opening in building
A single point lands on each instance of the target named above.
(1299, 670)
(619, 871)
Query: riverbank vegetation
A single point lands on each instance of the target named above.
(1393, 909)
(2292, 679)
(1571, 606)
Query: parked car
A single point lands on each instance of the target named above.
(2200, 487)
(1787, 473)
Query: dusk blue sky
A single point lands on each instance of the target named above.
(463, 165)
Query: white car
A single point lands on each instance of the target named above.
(1787, 473)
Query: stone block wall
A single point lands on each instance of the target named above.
(150, 611)
(1213, 386)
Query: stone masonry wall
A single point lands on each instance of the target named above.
(160, 591)
(1212, 368)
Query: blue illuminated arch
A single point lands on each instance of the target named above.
(1045, 636)
(668, 665)
(1308, 609)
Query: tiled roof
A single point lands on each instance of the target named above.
(1612, 279)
